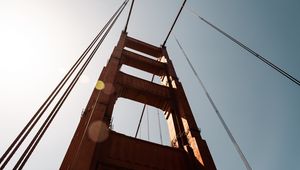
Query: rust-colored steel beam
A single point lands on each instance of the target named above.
(143, 91)
(143, 63)
(143, 47)
(94, 146)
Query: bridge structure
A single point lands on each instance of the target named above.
(95, 146)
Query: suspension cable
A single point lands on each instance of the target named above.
(30, 125)
(129, 15)
(89, 119)
(142, 114)
(174, 23)
(238, 149)
(140, 134)
(101, 32)
(159, 126)
(284, 73)
(148, 130)
(21, 162)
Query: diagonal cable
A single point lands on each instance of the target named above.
(178, 14)
(282, 72)
(237, 147)
(129, 15)
(30, 148)
(30, 125)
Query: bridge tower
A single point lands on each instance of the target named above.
(95, 146)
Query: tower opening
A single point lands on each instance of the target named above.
(113, 150)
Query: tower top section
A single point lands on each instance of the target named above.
(96, 146)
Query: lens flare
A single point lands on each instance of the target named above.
(100, 85)
(98, 131)
(109, 89)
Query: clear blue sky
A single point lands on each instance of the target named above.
(40, 40)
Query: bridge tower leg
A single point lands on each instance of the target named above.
(95, 146)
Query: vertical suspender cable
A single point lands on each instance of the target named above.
(148, 130)
(140, 134)
(138, 128)
(142, 114)
(174, 22)
(238, 149)
(159, 126)
(287, 75)
(21, 162)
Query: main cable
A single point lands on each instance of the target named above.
(129, 15)
(32, 122)
(284, 73)
(89, 119)
(49, 119)
(174, 23)
(237, 147)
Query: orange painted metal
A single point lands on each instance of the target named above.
(124, 152)
(188, 151)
